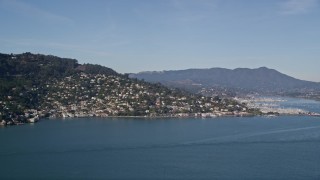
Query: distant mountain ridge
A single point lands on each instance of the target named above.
(261, 79)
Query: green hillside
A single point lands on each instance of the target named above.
(35, 85)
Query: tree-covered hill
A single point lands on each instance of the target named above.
(41, 67)
(35, 85)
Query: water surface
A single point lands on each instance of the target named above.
(124, 148)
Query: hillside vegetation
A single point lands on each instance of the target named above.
(35, 85)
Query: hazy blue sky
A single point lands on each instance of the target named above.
(139, 35)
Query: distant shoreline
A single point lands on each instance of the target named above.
(164, 117)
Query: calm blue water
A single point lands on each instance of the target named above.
(285, 147)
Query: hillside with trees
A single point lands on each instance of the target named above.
(35, 85)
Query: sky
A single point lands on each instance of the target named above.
(130, 36)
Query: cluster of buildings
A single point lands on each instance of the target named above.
(88, 95)
(310, 95)
(28, 116)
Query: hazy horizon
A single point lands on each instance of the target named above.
(133, 36)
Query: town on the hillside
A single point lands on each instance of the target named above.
(89, 95)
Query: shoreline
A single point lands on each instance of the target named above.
(176, 116)
(164, 117)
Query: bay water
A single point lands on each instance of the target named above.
(285, 147)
